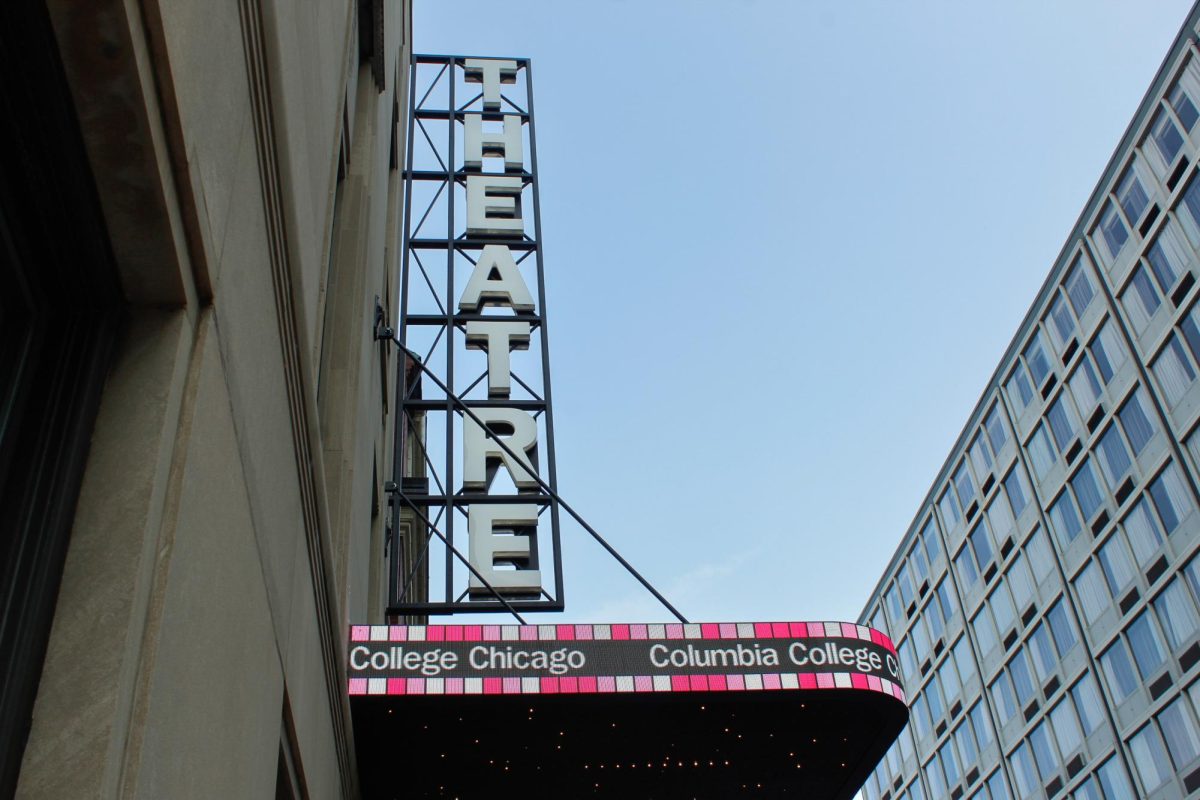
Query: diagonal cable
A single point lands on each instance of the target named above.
(545, 487)
(425, 456)
(416, 510)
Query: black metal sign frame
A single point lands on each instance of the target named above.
(434, 327)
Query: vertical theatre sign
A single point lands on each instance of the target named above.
(472, 308)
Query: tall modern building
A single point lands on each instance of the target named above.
(1046, 598)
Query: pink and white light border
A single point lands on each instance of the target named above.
(620, 684)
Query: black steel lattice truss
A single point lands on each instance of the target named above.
(436, 255)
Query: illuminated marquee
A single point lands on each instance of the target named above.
(473, 307)
(767, 709)
(517, 659)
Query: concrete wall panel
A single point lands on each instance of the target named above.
(209, 722)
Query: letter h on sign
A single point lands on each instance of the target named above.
(481, 317)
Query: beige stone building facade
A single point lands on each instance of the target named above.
(200, 206)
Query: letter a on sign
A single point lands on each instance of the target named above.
(496, 281)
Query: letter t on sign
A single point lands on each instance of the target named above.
(491, 72)
(498, 338)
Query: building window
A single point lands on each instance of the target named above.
(968, 749)
(1041, 453)
(1060, 322)
(1138, 427)
(1004, 613)
(981, 545)
(1177, 613)
(1065, 520)
(1040, 557)
(1191, 205)
(1022, 678)
(1022, 766)
(1143, 532)
(1167, 256)
(980, 725)
(905, 584)
(1087, 492)
(1179, 730)
(964, 659)
(947, 676)
(1165, 261)
(908, 661)
(1063, 422)
(929, 536)
(1174, 371)
(963, 485)
(1108, 352)
(1020, 581)
(997, 787)
(895, 610)
(1016, 490)
(967, 572)
(920, 716)
(1079, 287)
(1088, 704)
(1114, 456)
(1150, 758)
(1141, 300)
(1044, 753)
(1118, 670)
(1146, 644)
(981, 456)
(1044, 659)
(1192, 573)
(1062, 630)
(1092, 592)
(932, 614)
(1166, 136)
(1004, 698)
(1171, 498)
(1191, 333)
(948, 606)
(994, 426)
(1036, 360)
(985, 630)
(1131, 196)
(1113, 780)
(1175, 119)
(1020, 390)
(1085, 387)
(918, 562)
(1117, 564)
(937, 780)
(949, 508)
(933, 695)
(1112, 231)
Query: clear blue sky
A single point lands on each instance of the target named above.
(786, 244)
